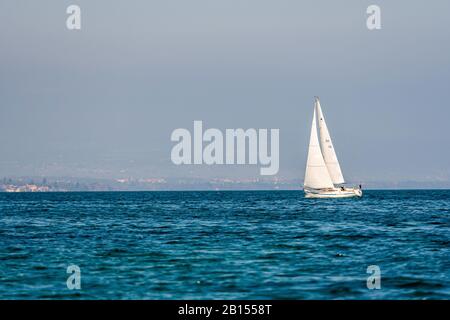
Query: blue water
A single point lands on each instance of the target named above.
(224, 245)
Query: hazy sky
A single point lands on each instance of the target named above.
(103, 101)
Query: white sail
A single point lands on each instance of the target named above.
(328, 152)
(316, 175)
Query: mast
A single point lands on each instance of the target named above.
(328, 151)
(316, 174)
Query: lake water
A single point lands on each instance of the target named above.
(224, 245)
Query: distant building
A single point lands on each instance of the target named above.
(25, 188)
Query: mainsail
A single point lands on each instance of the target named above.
(316, 175)
(329, 155)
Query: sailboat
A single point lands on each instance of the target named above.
(323, 175)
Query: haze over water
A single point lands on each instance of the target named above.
(102, 102)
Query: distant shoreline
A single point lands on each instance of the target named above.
(30, 184)
(212, 190)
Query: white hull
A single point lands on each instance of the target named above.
(333, 193)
